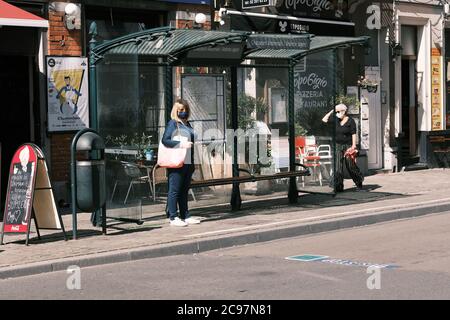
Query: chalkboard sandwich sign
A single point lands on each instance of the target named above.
(29, 194)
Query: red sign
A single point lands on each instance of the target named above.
(19, 199)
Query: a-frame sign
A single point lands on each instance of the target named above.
(30, 195)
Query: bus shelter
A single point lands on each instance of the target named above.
(256, 102)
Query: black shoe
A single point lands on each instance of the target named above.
(339, 188)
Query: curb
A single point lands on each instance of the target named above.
(197, 246)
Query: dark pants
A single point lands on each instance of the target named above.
(179, 183)
(352, 168)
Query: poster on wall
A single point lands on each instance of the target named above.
(436, 105)
(67, 93)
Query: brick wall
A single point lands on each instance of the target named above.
(189, 24)
(61, 42)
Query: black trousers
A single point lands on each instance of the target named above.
(352, 168)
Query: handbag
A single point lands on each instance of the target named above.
(171, 157)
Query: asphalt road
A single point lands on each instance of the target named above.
(416, 250)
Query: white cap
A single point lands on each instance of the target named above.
(340, 107)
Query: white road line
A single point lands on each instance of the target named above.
(320, 276)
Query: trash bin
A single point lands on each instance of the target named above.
(88, 178)
(91, 193)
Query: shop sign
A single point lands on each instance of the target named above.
(288, 26)
(248, 4)
(324, 9)
(436, 104)
(219, 54)
(274, 42)
(67, 93)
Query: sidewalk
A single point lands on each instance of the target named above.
(392, 196)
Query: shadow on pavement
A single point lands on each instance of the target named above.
(305, 202)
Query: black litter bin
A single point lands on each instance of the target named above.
(91, 193)
(88, 178)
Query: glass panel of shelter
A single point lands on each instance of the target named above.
(263, 120)
(315, 83)
(130, 110)
(208, 93)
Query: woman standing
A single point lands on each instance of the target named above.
(345, 149)
(180, 178)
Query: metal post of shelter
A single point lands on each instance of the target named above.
(235, 193)
(93, 98)
(335, 119)
(168, 74)
(293, 192)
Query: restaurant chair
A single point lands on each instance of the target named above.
(134, 175)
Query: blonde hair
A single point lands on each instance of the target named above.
(179, 103)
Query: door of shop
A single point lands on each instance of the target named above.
(15, 112)
(409, 112)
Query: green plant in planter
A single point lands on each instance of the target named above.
(246, 106)
(299, 130)
(141, 143)
(116, 141)
(138, 141)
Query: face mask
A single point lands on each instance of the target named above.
(340, 115)
(183, 115)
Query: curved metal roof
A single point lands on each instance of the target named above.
(167, 42)
(170, 43)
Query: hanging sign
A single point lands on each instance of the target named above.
(436, 105)
(29, 194)
(262, 41)
(68, 93)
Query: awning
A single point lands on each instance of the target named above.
(13, 16)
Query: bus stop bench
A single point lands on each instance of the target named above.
(248, 177)
(235, 196)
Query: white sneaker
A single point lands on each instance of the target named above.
(177, 222)
(191, 220)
